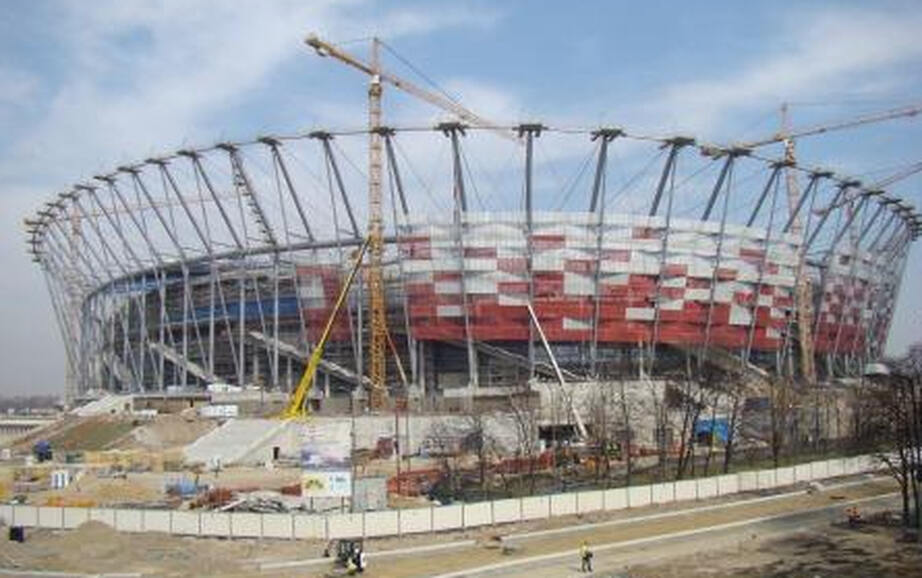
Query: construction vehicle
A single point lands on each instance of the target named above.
(343, 550)
(297, 403)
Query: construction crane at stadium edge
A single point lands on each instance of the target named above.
(379, 332)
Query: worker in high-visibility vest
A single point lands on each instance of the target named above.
(585, 557)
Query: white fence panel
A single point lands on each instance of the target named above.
(415, 521)
(662, 493)
(589, 501)
(215, 524)
(478, 514)
(803, 473)
(246, 525)
(279, 526)
(447, 518)
(728, 484)
(156, 520)
(386, 523)
(25, 516)
(505, 511)
(75, 517)
(686, 490)
(535, 507)
(563, 504)
(766, 479)
(348, 525)
(707, 488)
(638, 496)
(186, 523)
(128, 521)
(50, 517)
(104, 515)
(748, 481)
(616, 499)
(784, 476)
(311, 526)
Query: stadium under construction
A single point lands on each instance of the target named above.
(654, 256)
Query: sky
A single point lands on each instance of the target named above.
(86, 86)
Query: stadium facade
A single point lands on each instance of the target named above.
(222, 264)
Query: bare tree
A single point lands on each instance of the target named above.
(714, 401)
(733, 427)
(525, 421)
(628, 438)
(781, 402)
(895, 418)
(690, 401)
(661, 427)
(478, 441)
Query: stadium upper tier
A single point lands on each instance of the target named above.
(221, 264)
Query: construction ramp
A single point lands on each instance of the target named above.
(240, 441)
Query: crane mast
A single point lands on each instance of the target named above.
(803, 290)
(375, 276)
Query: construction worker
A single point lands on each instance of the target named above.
(585, 557)
(360, 562)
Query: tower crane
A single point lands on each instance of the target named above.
(375, 277)
(803, 289)
(374, 70)
(787, 136)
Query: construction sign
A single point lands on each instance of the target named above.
(326, 460)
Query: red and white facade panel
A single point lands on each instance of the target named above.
(619, 282)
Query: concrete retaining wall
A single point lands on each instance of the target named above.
(421, 520)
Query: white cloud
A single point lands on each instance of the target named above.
(136, 79)
(819, 54)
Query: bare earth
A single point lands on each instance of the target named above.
(833, 551)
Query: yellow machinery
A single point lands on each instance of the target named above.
(297, 406)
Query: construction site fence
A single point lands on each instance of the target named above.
(293, 526)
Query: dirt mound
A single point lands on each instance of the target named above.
(165, 432)
(91, 434)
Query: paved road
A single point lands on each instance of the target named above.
(638, 538)
(612, 559)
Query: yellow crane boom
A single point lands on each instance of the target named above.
(296, 404)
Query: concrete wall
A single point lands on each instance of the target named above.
(421, 520)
